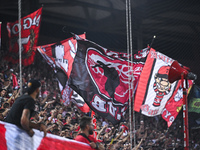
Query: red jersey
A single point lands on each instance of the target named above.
(80, 138)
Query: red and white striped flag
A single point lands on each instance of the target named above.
(12, 138)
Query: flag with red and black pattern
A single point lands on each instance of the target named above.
(30, 26)
(60, 57)
(105, 78)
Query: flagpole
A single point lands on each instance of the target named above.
(185, 113)
(129, 48)
(131, 83)
(19, 42)
(128, 51)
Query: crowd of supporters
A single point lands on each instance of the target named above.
(61, 120)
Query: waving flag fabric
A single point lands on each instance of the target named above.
(194, 99)
(60, 57)
(174, 105)
(154, 89)
(14, 138)
(101, 77)
(155, 95)
(79, 102)
(194, 107)
(30, 26)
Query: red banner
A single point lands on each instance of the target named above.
(173, 106)
(12, 137)
(102, 78)
(60, 55)
(30, 26)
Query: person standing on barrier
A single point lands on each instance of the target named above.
(23, 109)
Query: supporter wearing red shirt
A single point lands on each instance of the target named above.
(85, 136)
(68, 118)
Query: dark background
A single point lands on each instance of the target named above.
(176, 24)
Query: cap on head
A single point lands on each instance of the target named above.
(163, 72)
(33, 85)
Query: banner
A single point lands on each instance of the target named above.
(154, 89)
(30, 26)
(69, 95)
(60, 57)
(79, 102)
(194, 99)
(155, 95)
(174, 105)
(13, 138)
(193, 107)
(102, 78)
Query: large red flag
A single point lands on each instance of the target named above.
(13, 138)
(60, 57)
(175, 104)
(30, 26)
(101, 77)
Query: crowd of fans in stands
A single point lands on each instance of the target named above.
(61, 120)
